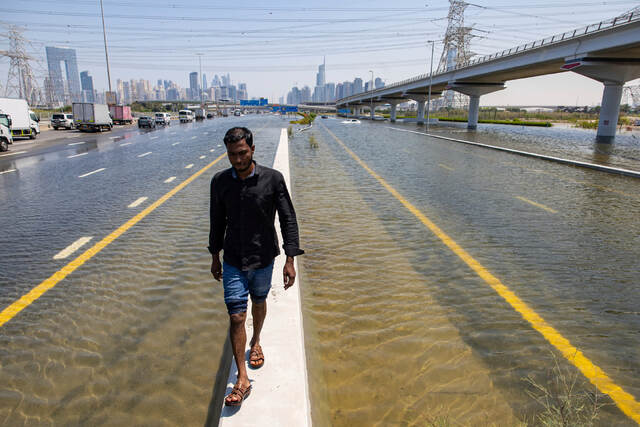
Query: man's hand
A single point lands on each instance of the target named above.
(289, 273)
(216, 267)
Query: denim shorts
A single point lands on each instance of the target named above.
(238, 285)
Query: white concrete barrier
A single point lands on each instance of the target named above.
(280, 393)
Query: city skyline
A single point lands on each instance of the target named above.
(273, 52)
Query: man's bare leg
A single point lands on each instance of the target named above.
(238, 337)
(258, 312)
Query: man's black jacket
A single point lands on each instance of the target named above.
(242, 218)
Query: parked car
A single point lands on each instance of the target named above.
(209, 115)
(146, 122)
(62, 120)
(163, 119)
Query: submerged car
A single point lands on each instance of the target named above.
(146, 122)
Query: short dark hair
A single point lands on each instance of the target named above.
(237, 134)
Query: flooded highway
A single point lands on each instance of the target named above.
(135, 334)
(399, 328)
(403, 331)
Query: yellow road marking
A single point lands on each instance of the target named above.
(538, 205)
(35, 293)
(625, 401)
(445, 167)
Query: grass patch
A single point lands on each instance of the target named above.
(562, 402)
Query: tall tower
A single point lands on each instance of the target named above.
(66, 90)
(456, 50)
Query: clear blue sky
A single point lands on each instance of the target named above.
(273, 45)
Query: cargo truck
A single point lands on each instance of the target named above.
(24, 122)
(5, 132)
(121, 114)
(200, 113)
(89, 116)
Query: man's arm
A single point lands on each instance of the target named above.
(218, 225)
(289, 228)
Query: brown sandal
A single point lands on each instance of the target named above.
(237, 391)
(257, 357)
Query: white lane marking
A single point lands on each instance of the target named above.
(193, 137)
(72, 247)
(212, 150)
(176, 143)
(189, 166)
(202, 157)
(77, 143)
(145, 154)
(10, 170)
(126, 143)
(168, 180)
(445, 167)
(114, 137)
(137, 202)
(14, 153)
(536, 204)
(154, 137)
(77, 155)
(91, 173)
(219, 145)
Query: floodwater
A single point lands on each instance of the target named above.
(401, 332)
(398, 330)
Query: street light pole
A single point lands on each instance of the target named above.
(371, 89)
(106, 54)
(430, 81)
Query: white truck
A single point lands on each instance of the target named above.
(200, 114)
(24, 122)
(89, 116)
(5, 132)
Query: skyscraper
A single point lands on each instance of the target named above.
(204, 82)
(378, 83)
(194, 87)
(56, 55)
(357, 85)
(87, 87)
(320, 76)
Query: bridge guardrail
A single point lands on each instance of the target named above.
(558, 38)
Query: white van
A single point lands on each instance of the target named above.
(5, 132)
(24, 121)
(185, 116)
(163, 119)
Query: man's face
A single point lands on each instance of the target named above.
(240, 155)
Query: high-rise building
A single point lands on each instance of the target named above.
(320, 76)
(216, 81)
(330, 92)
(378, 83)
(305, 94)
(357, 85)
(194, 87)
(65, 90)
(86, 82)
(205, 85)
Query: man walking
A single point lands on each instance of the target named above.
(244, 200)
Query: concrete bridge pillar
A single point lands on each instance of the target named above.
(394, 110)
(420, 114)
(474, 91)
(609, 111)
(614, 73)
